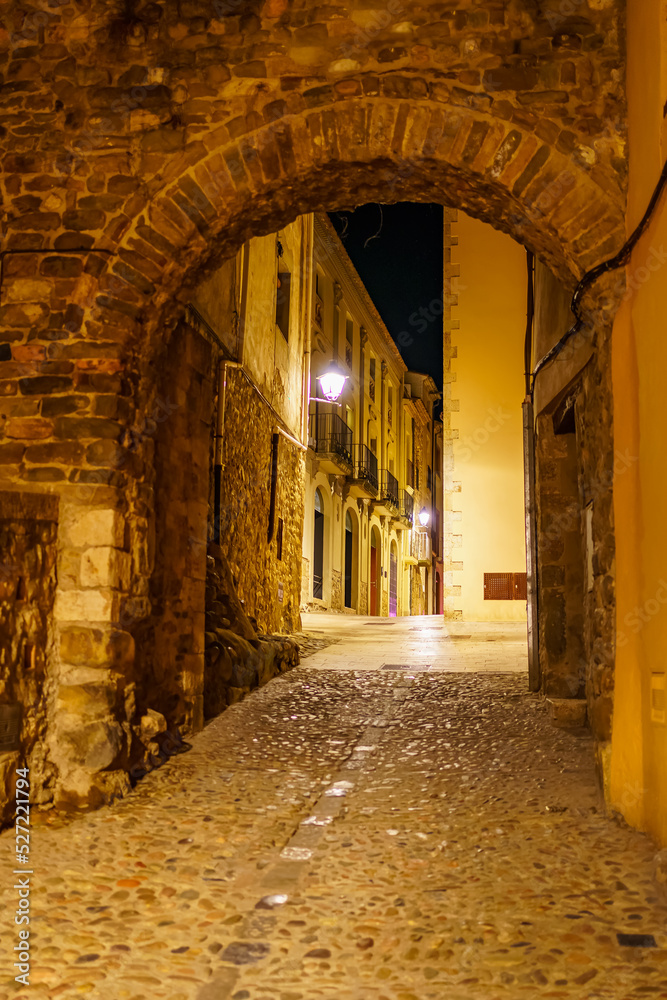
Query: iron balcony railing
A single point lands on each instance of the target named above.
(389, 490)
(331, 435)
(407, 506)
(420, 545)
(367, 466)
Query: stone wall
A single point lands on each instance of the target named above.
(268, 586)
(238, 659)
(560, 557)
(336, 590)
(170, 640)
(598, 462)
(28, 543)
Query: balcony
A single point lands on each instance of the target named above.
(331, 439)
(405, 515)
(364, 482)
(388, 501)
(419, 550)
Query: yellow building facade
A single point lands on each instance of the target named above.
(485, 319)
(636, 765)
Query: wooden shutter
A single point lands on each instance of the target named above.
(505, 587)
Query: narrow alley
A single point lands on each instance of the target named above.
(387, 821)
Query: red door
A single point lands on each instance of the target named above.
(374, 581)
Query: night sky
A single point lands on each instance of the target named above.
(402, 270)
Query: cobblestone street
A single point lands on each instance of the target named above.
(353, 834)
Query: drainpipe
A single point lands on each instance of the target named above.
(308, 304)
(534, 678)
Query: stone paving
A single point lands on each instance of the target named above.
(351, 834)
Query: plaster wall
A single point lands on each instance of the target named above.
(638, 772)
(486, 471)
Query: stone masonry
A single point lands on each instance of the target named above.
(142, 145)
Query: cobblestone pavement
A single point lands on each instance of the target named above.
(350, 835)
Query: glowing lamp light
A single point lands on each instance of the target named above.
(423, 517)
(332, 382)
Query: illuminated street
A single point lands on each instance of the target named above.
(354, 833)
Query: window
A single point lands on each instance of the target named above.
(390, 404)
(283, 291)
(374, 445)
(371, 379)
(429, 479)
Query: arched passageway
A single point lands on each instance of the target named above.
(169, 148)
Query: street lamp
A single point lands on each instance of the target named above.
(423, 517)
(332, 382)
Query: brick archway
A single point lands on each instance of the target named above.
(173, 145)
(211, 200)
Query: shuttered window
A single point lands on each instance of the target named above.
(505, 587)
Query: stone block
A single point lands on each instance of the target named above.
(86, 605)
(568, 712)
(94, 647)
(85, 700)
(84, 527)
(104, 566)
(150, 725)
(95, 745)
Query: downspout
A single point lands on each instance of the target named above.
(529, 488)
(308, 304)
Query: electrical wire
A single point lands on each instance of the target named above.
(375, 235)
(612, 264)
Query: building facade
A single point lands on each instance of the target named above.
(371, 457)
(483, 353)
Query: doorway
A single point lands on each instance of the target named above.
(393, 581)
(349, 558)
(318, 553)
(375, 578)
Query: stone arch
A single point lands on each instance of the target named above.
(211, 200)
(149, 151)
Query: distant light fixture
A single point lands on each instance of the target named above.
(332, 382)
(423, 517)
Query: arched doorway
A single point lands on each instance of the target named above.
(318, 547)
(393, 580)
(350, 561)
(409, 136)
(375, 578)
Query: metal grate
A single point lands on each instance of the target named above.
(405, 666)
(10, 727)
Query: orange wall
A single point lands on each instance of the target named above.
(638, 773)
